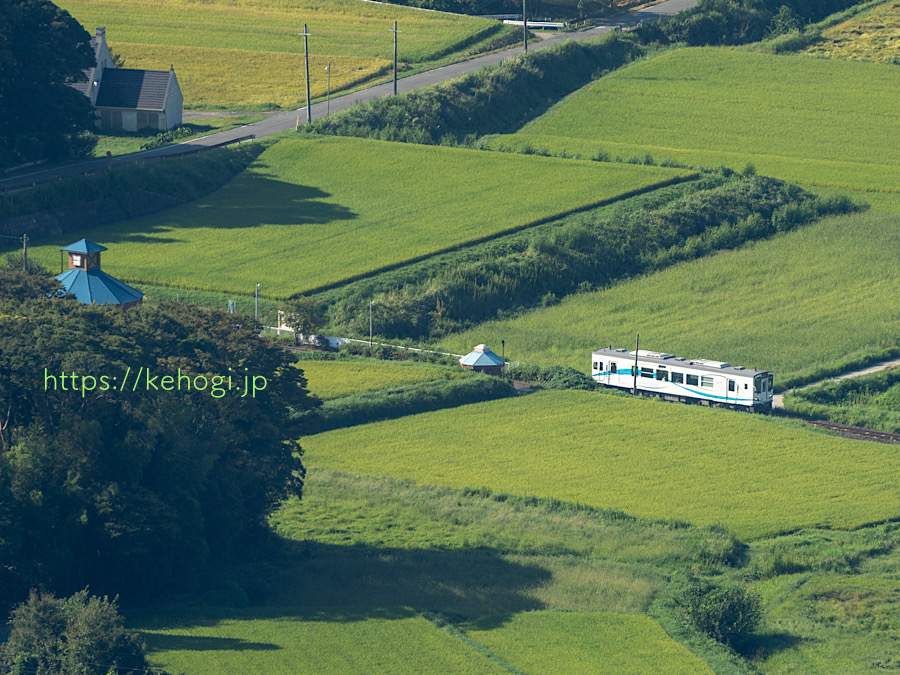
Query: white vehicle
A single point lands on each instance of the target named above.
(685, 380)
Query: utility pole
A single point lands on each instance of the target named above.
(395, 31)
(305, 35)
(524, 26)
(24, 252)
(637, 349)
(328, 95)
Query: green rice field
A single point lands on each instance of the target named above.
(585, 642)
(645, 457)
(800, 304)
(316, 212)
(817, 122)
(247, 53)
(283, 640)
(334, 379)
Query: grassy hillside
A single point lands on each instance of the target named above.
(873, 36)
(801, 304)
(246, 53)
(819, 123)
(315, 212)
(644, 457)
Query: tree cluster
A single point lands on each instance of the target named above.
(732, 22)
(82, 634)
(119, 483)
(42, 50)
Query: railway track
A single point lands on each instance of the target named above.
(858, 432)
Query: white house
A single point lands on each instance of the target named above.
(130, 100)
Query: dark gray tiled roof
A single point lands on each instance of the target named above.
(85, 85)
(139, 89)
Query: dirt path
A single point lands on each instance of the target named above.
(778, 399)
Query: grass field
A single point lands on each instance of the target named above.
(820, 123)
(644, 457)
(315, 212)
(247, 54)
(873, 36)
(833, 624)
(283, 640)
(363, 559)
(333, 379)
(582, 642)
(737, 306)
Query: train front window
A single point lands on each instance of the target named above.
(597, 365)
(771, 381)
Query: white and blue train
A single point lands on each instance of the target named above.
(685, 380)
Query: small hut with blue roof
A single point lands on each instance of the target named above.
(482, 360)
(89, 284)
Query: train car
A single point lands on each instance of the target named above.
(711, 383)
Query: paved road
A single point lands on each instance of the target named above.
(778, 399)
(284, 121)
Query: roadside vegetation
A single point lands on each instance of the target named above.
(246, 55)
(185, 179)
(871, 401)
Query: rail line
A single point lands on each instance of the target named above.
(859, 433)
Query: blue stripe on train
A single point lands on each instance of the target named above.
(694, 392)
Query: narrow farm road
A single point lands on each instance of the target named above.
(778, 399)
(288, 120)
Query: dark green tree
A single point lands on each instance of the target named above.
(42, 50)
(302, 315)
(81, 634)
(125, 485)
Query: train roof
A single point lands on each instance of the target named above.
(669, 360)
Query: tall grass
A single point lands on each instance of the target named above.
(871, 401)
(804, 305)
(645, 457)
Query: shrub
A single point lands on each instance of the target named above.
(81, 634)
(725, 613)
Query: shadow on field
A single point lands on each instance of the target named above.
(468, 582)
(250, 200)
(310, 581)
(764, 646)
(162, 643)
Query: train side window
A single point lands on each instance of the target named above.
(745, 385)
(693, 379)
(662, 375)
(647, 372)
(706, 382)
(730, 385)
(677, 378)
(612, 368)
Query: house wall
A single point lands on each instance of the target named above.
(174, 103)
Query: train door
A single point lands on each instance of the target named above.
(730, 391)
